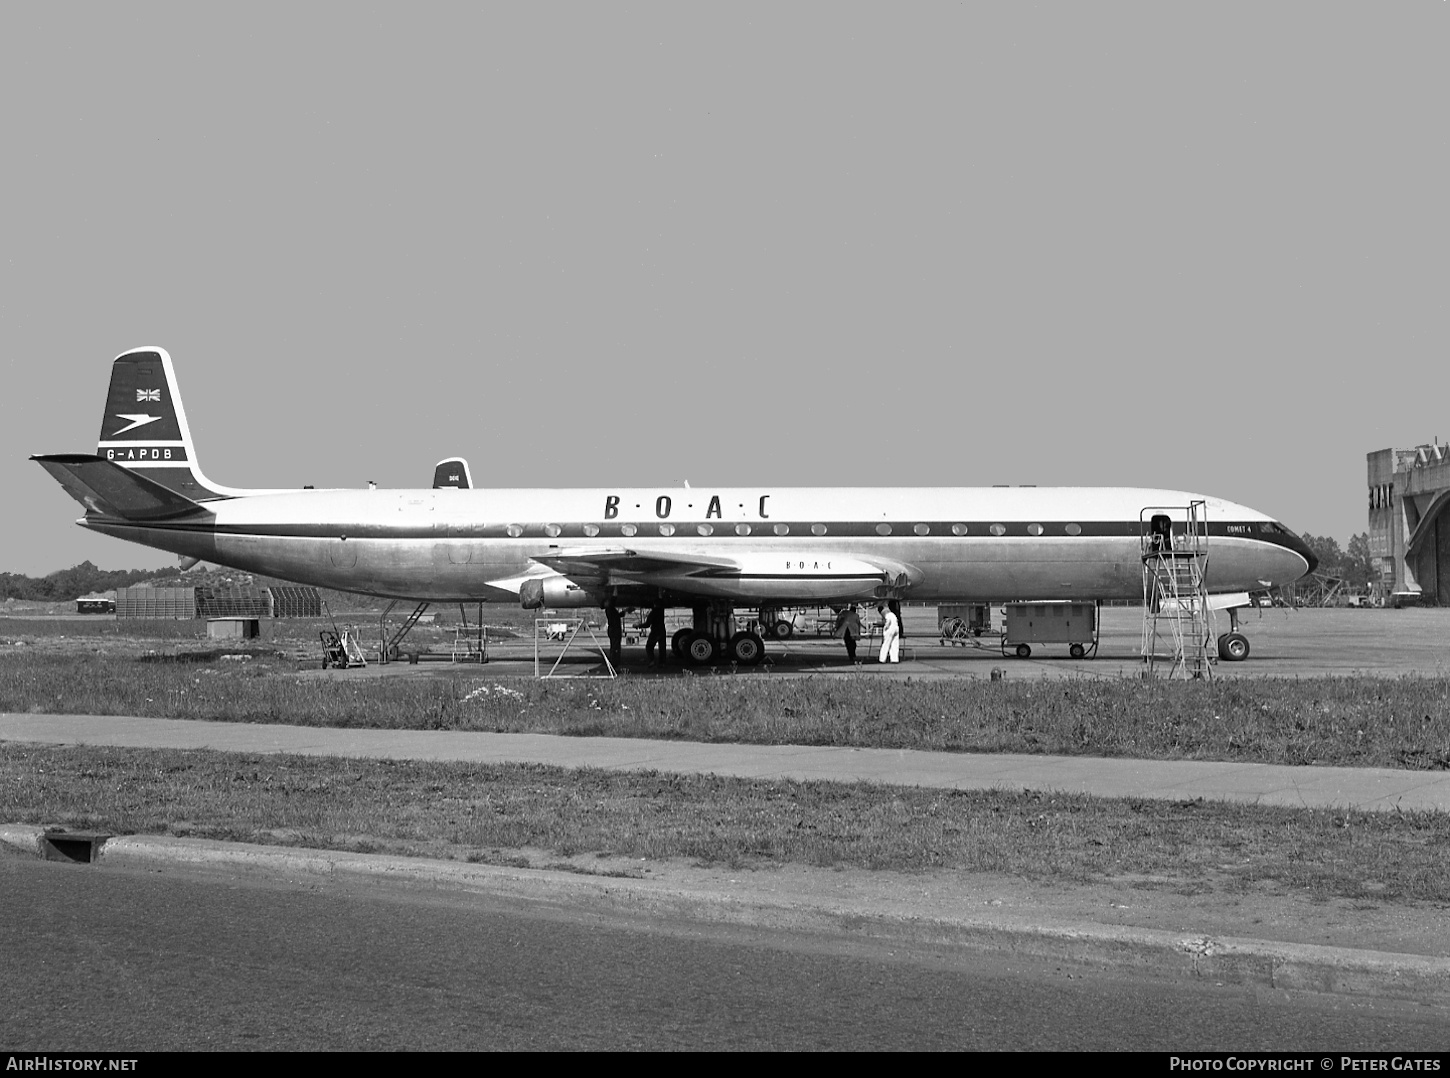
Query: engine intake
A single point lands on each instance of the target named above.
(553, 591)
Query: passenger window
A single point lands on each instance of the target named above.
(627, 529)
(998, 529)
(959, 529)
(922, 529)
(781, 529)
(818, 529)
(883, 529)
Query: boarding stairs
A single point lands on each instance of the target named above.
(1178, 632)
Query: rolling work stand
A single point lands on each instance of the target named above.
(1177, 621)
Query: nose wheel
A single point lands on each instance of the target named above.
(1233, 647)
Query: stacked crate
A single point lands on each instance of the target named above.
(291, 601)
(233, 602)
(155, 602)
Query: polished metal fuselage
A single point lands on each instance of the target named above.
(961, 544)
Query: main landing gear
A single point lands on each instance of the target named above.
(713, 639)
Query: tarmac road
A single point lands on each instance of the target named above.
(1357, 948)
(1284, 643)
(116, 959)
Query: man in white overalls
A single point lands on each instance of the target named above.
(890, 635)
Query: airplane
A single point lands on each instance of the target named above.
(712, 549)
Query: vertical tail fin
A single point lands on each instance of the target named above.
(144, 426)
(452, 472)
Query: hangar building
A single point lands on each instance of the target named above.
(1409, 529)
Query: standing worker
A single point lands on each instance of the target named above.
(848, 628)
(616, 629)
(894, 605)
(890, 635)
(656, 625)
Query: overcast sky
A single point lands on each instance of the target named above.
(1200, 246)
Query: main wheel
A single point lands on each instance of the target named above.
(677, 643)
(1233, 647)
(1024, 651)
(747, 649)
(783, 629)
(700, 648)
(1077, 651)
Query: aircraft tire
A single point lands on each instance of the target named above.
(1233, 647)
(678, 641)
(701, 649)
(783, 629)
(747, 649)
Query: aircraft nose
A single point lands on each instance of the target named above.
(1298, 546)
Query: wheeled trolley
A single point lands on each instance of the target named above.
(960, 624)
(1073, 624)
(341, 649)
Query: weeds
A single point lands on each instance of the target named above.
(486, 813)
(1356, 722)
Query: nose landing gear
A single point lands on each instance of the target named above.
(1233, 646)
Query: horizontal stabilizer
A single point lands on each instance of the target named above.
(107, 489)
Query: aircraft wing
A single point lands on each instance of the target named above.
(749, 577)
(595, 564)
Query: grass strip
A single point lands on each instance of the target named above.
(1355, 722)
(486, 813)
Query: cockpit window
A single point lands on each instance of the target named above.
(1268, 527)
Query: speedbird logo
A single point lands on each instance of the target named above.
(136, 420)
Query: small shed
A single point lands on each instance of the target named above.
(235, 628)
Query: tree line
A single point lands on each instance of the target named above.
(72, 583)
(1352, 564)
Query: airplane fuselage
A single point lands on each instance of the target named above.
(785, 544)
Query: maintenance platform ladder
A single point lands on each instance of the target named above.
(1177, 622)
